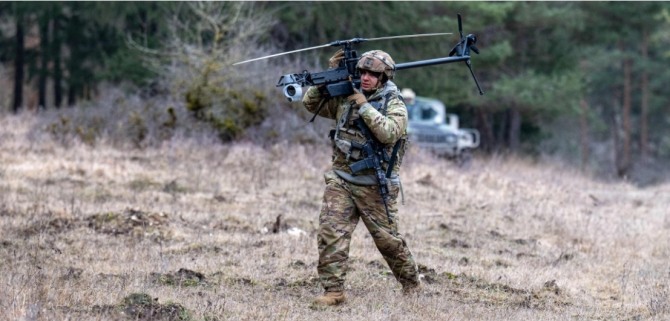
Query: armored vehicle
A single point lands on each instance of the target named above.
(432, 128)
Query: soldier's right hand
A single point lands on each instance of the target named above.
(357, 99)
(334, 61)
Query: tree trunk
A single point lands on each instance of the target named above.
(625, 119)
(18, 65)
(486, 130)
(514, 129)
(644, 104)
(44, 62)
(71, 96)
(58, 70)
(584, 132)
(616, 131)
(501, 142)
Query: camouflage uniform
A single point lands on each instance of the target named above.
(348, 197)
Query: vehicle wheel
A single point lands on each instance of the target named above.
(464, 159)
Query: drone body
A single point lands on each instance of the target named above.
(341, 80)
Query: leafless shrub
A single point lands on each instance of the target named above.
(198, 94)
(206, 38)
(119, 119)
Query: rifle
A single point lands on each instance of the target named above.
(374, 154)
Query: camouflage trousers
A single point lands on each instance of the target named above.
(343, 205)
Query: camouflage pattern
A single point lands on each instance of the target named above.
(387, 129)
(344, 202)
(343, 205)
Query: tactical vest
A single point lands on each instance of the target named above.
(346, 132)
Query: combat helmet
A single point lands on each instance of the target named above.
(377, 61)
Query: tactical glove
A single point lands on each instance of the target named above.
(334, 61)
(357, 99)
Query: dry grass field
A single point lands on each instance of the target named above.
(196, 231)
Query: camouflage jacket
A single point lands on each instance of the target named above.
(388, 125)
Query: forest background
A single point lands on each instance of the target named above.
(576, 82)
(145, 176)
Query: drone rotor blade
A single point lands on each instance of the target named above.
(410, 36)
(341, 42)
(281, 54)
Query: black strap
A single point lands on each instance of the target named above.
(321, 103)
(398, 143)
(394, 157)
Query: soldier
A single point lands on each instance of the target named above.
(350, 196)
(409, 96)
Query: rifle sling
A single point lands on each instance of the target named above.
(365, 163)
(318, 110)
(394, 157)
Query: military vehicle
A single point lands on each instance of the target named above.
(432, 128)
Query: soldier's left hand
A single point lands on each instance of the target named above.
(334, 61)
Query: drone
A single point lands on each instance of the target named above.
(343, 79)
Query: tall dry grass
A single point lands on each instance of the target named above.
(187, 229)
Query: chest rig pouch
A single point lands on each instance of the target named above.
(348, 138)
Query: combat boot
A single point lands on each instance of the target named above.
(412, 289)
(330, 298)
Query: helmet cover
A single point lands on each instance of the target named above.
(377, 61)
